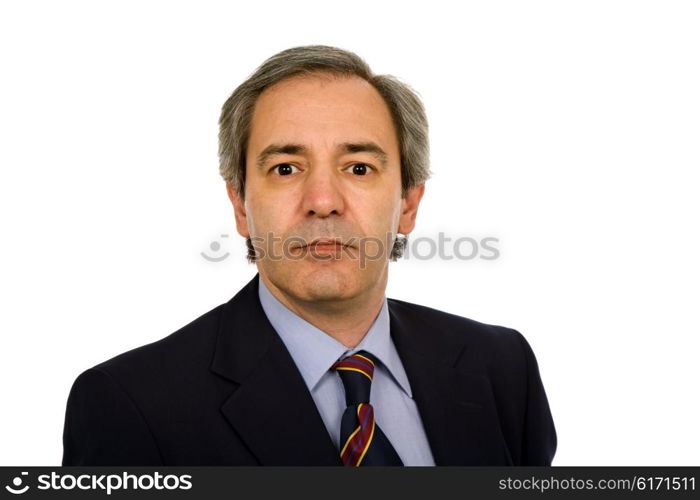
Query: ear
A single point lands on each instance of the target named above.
(238, 210)
(409, 209)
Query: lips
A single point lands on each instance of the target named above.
(325, 243)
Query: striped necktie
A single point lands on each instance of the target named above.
(362, 441)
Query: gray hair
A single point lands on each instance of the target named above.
(405, 106)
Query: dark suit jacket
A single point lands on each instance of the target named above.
(224, 390)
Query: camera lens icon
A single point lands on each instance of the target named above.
(215, 246)
(17, 482)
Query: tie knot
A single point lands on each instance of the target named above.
(356, 372)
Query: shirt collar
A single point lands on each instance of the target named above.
(314, 351)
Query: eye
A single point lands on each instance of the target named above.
(359, 168)
(285, 169)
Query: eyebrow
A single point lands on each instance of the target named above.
(279, 149)
(365, 147)
(346, 147)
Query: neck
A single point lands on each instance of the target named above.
(347, 320)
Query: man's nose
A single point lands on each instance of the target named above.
(322, 192)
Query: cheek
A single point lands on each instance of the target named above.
(377, 216)
(268, 213)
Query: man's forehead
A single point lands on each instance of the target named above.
(313, 110)
(319, 95)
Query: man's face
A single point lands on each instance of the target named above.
(323, 163)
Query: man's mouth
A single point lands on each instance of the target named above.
(327, 247)
(325, 244)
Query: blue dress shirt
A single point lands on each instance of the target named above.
(314, 352)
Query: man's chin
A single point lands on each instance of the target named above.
(316, 280)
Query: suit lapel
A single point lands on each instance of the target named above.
(271, 410)
(457, 408)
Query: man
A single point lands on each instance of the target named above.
(310, 364)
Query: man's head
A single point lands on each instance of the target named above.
(314, 146)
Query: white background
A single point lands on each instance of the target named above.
(568, 130)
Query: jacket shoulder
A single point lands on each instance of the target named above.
(504, 363)
(189, 344)
(456, 331)
(126, 409)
